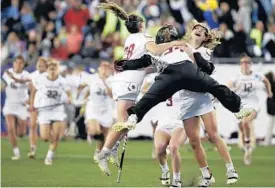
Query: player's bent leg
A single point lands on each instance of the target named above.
(33, 134)
(210, 124)
(246, 127)
(10, 120)
(161, 141)
(192, 129)
(94, 132)
(177, 139)
(104, 154)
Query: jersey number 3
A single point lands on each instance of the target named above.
(129, 50)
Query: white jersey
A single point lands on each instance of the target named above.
(247, 86)
(16, 93)
(174, 55)
(126, 85)
(134, 48)
(194, 103)
(98, 91)
(50, 92)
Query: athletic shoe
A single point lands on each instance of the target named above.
(102, 163)
(247, 155)
(31, 154)
(175, 183)
(244, 112)
(165, 178)
(113, 158)
(48, 161)
(15, 157)
(130, 124)
(95, 156)
(206, 182)
(232, 177)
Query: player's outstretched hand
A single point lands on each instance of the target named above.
(118, 65)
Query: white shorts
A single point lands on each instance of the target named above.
(102, 114)
(196, 105)
(125, 90)
(169, 126)
(47, 116)
(19, 110)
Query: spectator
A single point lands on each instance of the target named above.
(77, 15)
(4, 53)
(257, 33)
(27, 19)
(74, 40)
(225, 15)
(59, 51)
(226, 42)
(43, 9)
(270, 109)
(152, 10)
(32, 54)
(180, 11)
(15, 46)
(244, 14)
(239, 41)
(208, 7)
(269, 42)
(107, 49)
(89, 49)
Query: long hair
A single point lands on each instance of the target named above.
(132, 21)
(213, 36)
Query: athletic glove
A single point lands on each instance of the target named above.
(119, 65)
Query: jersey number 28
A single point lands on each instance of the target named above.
(129, 50)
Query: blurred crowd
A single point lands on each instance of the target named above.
(76, 30)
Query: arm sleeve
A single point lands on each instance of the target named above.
(6, 78)
(135, 64)
(204, 65)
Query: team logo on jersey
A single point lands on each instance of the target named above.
(132, 87)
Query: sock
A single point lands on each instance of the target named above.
(164, 167)
(205, 172)
(33, 148)
(16, 151)
(229, 167)
(176, 176)
(50, 154)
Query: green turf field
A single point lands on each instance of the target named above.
(73, 166)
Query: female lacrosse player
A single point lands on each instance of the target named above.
(169, 132)
(99, 115)
(49, 95)
(15, 109)
(247, 84)
(176, 72)
(41, 67)
(126, 85)
(195, 104)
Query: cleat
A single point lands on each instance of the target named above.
(31, 155)
(130, 124)
(206, 182)
(244, 112)
(102, 163)
(165, 178)
(175, 183)
(48, 162)
(113, 158)
(232, 177)
(15, 157)
(96, 157)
